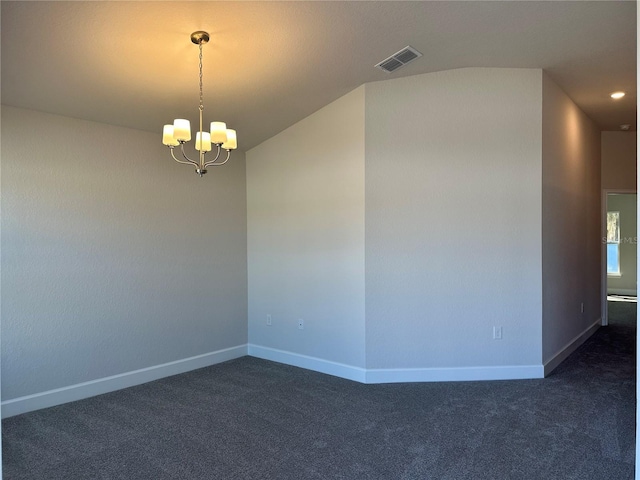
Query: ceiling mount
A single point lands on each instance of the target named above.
(200, 37)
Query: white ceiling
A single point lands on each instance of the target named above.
(270, 64)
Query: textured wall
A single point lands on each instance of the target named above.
(571, 245)
(114, 258)
(305, 191)
(453, 199)
(619, 166)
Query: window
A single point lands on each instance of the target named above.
(613, 243)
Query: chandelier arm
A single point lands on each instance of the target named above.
(192, 162)
(188, 162)
(211, 164)
(177, 159)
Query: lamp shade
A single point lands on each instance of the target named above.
(181, 129)
(167, 136)
(218, 132)
(232, 140)
(203, 144)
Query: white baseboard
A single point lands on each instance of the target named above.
(310, 363)
(570, 347)
(454, 374)
(79, 391)
(396, 375)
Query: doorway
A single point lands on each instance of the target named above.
(619, 248)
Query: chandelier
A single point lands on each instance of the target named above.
(180, 132)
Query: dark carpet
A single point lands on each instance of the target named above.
(254, 419)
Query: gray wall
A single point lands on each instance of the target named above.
(449, 221)
(109, 264)
(114, 258)
(626, 283)
(305, 190)
(571, 246)
(453, 212)
(619, 166)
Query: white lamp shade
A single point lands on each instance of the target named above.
(205, 142)
(218, 132)
(167, 136)
(232, 140)
(181, 129)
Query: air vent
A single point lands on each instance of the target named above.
(398, 59)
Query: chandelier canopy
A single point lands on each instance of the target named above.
(180, 131)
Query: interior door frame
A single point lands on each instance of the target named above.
(604, 316)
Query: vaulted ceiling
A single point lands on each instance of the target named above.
(270, 64)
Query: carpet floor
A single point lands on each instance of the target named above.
(255, 419)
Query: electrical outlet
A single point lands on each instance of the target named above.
(301, 324)
(497, 333)
(268, 319)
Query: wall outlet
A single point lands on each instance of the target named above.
(301, 324)
(497, 333)
(268, 319)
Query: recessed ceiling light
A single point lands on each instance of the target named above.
(617, 95)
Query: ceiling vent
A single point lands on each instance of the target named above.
(398, 59)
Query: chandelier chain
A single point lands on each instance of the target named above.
(200, 65)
